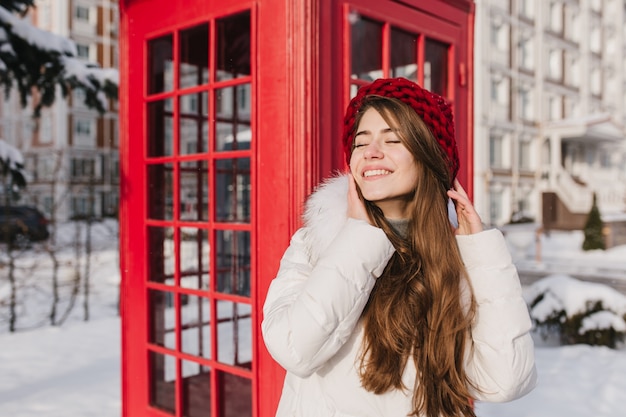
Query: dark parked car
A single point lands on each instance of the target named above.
(22, 224)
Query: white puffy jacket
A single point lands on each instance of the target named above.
(311, 315)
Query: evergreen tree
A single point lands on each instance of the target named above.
(33, 60)
(593, 228)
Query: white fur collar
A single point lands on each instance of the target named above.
(325, 214)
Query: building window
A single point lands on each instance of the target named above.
(572, 70)
(78, 97)
(555, 64)
(47, 168)
(115, 169)
(496, 151)
(82, 127)
(596, 5)
(500, 97)
(524, 157)
(605, 159)
(572, 24)
(110, 203)
(526, 53)
(82, 168)
(81, 13)
(556, 16)
(555, 107)
(500, 41)
(44, 128)
(80, 207)
(495, 206)
(595, 37)
(596, 81)
(526, 8)
(526, 104)
(499, 34)
(572, 107)
(82, 51)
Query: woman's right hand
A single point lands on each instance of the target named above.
(356, 206)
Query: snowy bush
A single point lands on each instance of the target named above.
(578, 311)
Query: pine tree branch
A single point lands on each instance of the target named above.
(32, 60)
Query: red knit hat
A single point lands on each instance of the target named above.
(432, 108)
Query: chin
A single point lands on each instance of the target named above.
(374, 198)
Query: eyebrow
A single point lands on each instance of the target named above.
(365, 131)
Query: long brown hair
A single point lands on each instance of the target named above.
(417, 310)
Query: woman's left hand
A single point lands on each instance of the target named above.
(469, 220)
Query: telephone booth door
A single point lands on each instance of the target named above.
(189, 215)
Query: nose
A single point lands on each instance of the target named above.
(373, 151)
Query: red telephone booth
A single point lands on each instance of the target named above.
(231, 111)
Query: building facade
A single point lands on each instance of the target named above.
(71, 151)
(550, 110)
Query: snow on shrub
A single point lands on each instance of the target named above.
(578, 311)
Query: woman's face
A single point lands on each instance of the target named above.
(382, 166)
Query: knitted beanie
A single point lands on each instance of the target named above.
(431, 108)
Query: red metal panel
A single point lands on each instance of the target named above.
(281, 173)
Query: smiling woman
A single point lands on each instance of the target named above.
(381, 165)
(384, 305)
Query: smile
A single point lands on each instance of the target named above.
(374, 172)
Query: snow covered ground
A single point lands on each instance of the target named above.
(74, 370)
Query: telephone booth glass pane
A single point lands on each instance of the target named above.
(233, 389)
(193, 123)
(196, 326)
(160, 65)
(234, 344)
(436, 67)
(233, 46)
(232, 178)
(194, 259)
(160, 191)
(160, 128)
(196, 390)
(403, 54)
(162, 261)
(194, 56)
(233, 262)
(233, 115)
(162, 312)
(162, 382)
(193, 190)
(367, 47)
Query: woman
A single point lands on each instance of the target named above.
(387, 302)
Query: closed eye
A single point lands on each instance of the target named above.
(359, 140)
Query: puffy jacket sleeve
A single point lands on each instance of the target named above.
(500, 362)
(311, 309)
